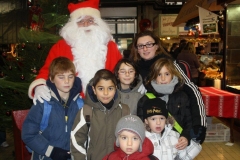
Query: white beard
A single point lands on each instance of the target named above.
(89, 49)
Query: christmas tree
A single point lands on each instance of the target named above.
(22, 61)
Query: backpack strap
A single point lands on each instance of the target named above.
(125, 109)
(176, 124)
(44, 122)
(87, 113)
(80, 102)
(46, 112)
(150, 95)
(87, 110)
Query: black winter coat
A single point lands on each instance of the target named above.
(192, 91)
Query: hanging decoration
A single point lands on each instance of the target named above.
(144, 24)
(39, 46)
(208, 21)
(8, 113)
(34, 70)
(13, 51)
(36, 19)
(22, 77)
(4, 54)
(29, 4)
(23, 45)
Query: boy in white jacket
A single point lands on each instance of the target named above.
(159, 131)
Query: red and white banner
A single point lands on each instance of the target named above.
(208, 21)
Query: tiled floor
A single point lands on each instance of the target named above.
(220, 151)
(211, 150)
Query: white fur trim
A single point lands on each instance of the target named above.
(85, 11)
(34, 84)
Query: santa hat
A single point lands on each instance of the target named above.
(88, 7)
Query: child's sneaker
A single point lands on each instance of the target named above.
(4, 144)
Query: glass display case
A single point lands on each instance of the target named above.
(232, 66)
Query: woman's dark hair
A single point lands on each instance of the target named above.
(104, 74)
(127, 62)
(134, 56)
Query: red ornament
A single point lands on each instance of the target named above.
(36, 24)
(34, 70)
(39, 46)
(22, 77)
(144, 24)
(9, 113)
(29, 4)
(23, 45)
(4, 54)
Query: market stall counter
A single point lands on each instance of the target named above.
(220, 103)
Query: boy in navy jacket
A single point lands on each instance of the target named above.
(54, 142)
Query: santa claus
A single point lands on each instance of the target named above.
(87, 41)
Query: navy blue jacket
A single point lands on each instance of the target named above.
(57, 133)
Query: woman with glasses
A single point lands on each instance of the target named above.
(128, 82)
(145, 51)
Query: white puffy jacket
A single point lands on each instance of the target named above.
(164, 146)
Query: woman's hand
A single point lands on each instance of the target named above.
(182, 143)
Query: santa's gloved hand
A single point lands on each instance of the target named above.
(142, 89)
(41, 93)
(198, 133)
(60, 154)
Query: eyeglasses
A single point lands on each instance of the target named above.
(148, 45)
(87, 21)
(124, 72)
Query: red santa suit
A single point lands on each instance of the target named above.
(61, 48)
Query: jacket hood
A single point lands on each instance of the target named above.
(75, 90)
(140, 82)
(147, 149)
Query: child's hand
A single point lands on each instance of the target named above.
(182, 143)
